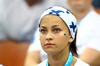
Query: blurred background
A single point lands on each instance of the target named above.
(19, 41)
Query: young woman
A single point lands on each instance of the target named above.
(57, 37)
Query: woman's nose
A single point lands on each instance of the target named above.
(49, 36)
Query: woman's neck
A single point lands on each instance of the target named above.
(62, 61)
(57, 60)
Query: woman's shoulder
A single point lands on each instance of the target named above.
(80, 63)
(43, 63)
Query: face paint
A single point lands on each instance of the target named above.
(63, 13)
(64, 34)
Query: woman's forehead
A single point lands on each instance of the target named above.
(53, 19)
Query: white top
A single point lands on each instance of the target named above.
(19, 21)
(78, 63)
(88, 34)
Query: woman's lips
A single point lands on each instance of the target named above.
(49, 44)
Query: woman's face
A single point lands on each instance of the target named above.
(54, 34)
(79, 4)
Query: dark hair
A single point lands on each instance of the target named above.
(73, 47)
(96, 3)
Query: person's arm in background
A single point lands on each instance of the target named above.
(33, 52)
(32, 58)
(91, 54)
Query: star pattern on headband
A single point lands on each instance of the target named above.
(73, 26)
(56, 12)
(68, 12)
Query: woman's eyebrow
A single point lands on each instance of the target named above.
(43, 27)
(55, 26)
(51, 26)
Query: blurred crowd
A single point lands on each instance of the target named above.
(19, 33)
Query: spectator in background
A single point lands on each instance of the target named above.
(88, 35)
(96, 5)
(18, 23)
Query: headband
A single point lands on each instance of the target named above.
(65, 15)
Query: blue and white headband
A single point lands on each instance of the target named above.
(65, 15)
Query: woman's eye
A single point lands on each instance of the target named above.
(56, 30)
(42, 30)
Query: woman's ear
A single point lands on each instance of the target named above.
(71, 40)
